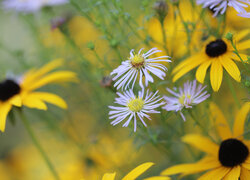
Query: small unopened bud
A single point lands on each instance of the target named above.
(91, 45)
(229, 36)
(161, 9)
(59, 22)
(106, 82)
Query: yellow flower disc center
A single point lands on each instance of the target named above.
(137, 61)
(135, 105)
(183, 97)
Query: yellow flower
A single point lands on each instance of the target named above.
(175, 31)
(228, 161)
(132, 175)
(219, 54)
(22, 92)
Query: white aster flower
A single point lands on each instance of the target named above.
(220, 6)
(134, 107)
(139, 65)
(30, 6)
(187, 97)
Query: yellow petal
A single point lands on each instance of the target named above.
(60, 76)
(138, 171)
(187, 66)
(240, 119)
(16, 101)
(231, 68)
(192, 168)
(243, 45)
(202, 143)
(4, 109)
(216, 74)
(36, 74)
(243, 57)
(245, 174)
(246, 165)
(158, 178)
(109, 176)
(51, 98)
(32, 101)
(241, 34)
(221, 123)
(201, 71)
(217, 174)
(233, 174)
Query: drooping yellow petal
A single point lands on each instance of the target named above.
(56, 77)
(16, 101)
(201, 71)
(202, 143)
(245, 174)
(4, 110)
(233, 174)
(231, 68)
(32, 101)
(109, 176)
(138, 171)
(192, 168)
(217, 173)
(187, 66)
(158, 178)
(51, 98)
(221, 123)
(241, 34)
(246, 165)
(216, 74)
(240, 119)
(32, 75)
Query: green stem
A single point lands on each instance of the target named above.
(233, 91)
(164, 37)
(38, 145)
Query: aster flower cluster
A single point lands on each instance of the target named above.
(138, 107)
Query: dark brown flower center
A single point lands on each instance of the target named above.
(232, 152)
(8, 89)
(216, 48)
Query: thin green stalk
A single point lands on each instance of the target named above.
(164, 37)
(38, 145)
(233, 91)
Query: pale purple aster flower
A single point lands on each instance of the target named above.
(188, 96)
(220, 6)
(134, 107)
(139, 65)
(30, 6)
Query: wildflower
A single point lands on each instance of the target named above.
(134, 107)
(21, 92)
(187, 97)
(220, 6)
(140, 65)
(30, 6)
(135, 173)
(218, 53)
(229, 160)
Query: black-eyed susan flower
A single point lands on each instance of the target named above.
(132, 175)
(228, 160)
(218, 54)
(22, 92)
(220, 6)
(139, 65)
(188, 96)
(134, 107)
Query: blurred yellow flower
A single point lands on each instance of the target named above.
(230, 159)
(176, 35)
(218, 53)
(21, 92)
(132, 175)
